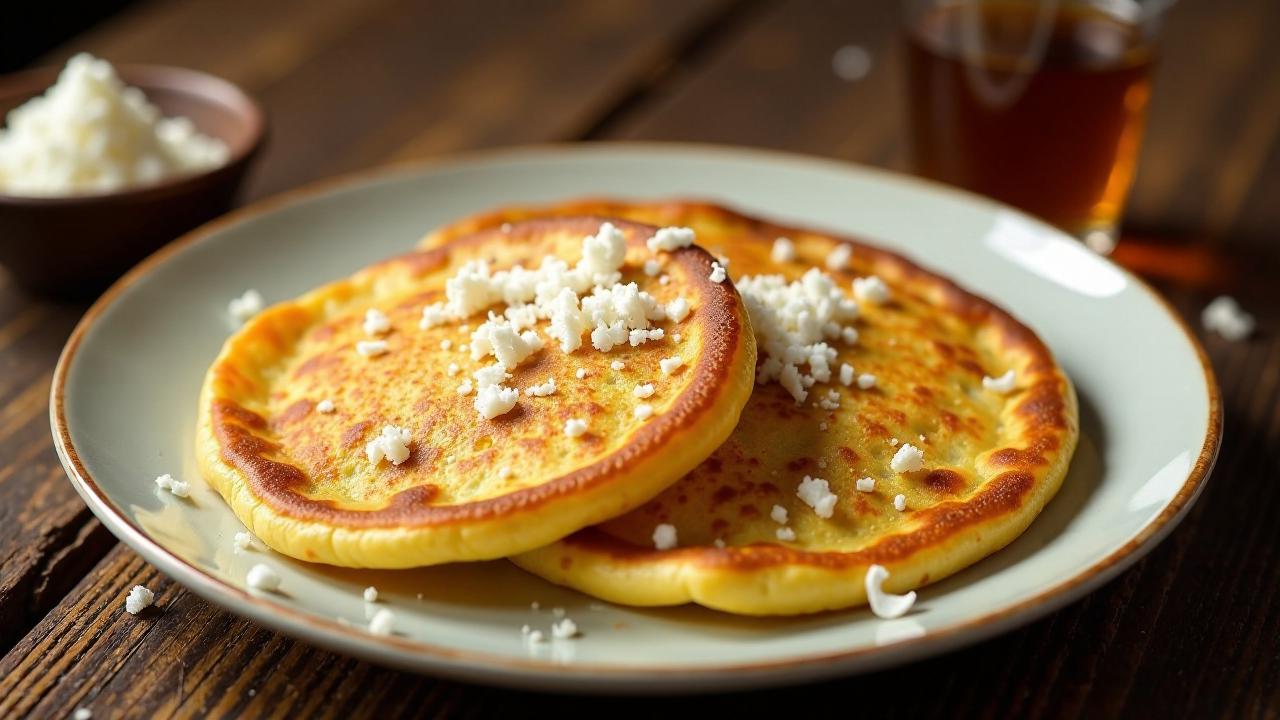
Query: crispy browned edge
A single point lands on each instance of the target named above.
(1045, 407)
(245, 442)
(298, 622)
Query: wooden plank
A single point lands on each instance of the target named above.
(47, 537)
(773, 85)
(346, 84)
(359, 83)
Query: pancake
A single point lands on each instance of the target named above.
(990, 461)
(335, 448)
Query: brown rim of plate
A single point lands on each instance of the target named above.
(358, 642)
(705, 385)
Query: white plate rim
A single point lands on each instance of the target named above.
(419, 656)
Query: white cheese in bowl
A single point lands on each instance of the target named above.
(91, 133)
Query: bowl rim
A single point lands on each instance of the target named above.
(146, 77)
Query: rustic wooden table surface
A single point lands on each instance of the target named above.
(1192, 630)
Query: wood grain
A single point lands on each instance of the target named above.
(1190, 631)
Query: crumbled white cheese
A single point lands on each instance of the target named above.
(262, 577)
(718, 275)
(245, 306)
(392, 445)
(534, 637)
(676, 337)
(617, 365)
(838, 258)
(909, 458)
(242, 540)
(521, 317)
(543, 390)
(178, 488)
(490, 375)
(846, 374)
(494, 400)
(325, 406)
(498, 338)
(1003, 384)
(504, 472)
(664, 536)
(643, 391)
(91, 133)
(564, 629)
(822, 463)
(678, 309)
(783, 250)
(371, 348)
(452, 370)
(370, 594)
(871, 289)
(899, 502)
(465, 388)
(893, 442)
(830, 401)
(557, 612)
(792, 320)
(883, 604)
(138, 599)
(1225, 316)
(376, 322)
(82, 713)
(664, 279)
(637, 337)
(580, 373)
(604, 252)
(785, 534)
(446, 344)
(575, 427)
(605, 337)
(643, 411)
(382, 623)
(816, 493)
(866, 381)
(670, 365)
(670, 238)
(652, 267)
(779, 514)
(849, 335)
(433, 315)
(866, 484)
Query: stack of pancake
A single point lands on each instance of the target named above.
(654, 404)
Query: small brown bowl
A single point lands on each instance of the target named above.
(74, 246)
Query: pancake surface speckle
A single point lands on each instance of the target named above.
(926, 367)
(304, 425)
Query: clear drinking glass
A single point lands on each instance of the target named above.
(1037, 103)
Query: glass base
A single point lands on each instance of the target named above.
(1100, 239)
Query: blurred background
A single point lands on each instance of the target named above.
(350, 84)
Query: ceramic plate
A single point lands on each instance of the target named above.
(124, 399)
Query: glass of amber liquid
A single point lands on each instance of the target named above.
(1037, 103)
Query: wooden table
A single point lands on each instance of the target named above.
(1192, 630)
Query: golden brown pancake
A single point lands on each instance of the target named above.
(292, 416)
(991, 461)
